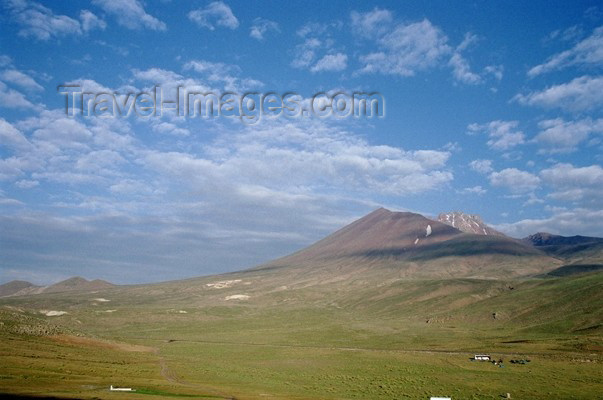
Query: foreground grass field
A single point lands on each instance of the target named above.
(405, 340)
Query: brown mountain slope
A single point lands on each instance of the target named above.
(381, 230)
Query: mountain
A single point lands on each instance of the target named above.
(412, 246)
(548, 239)
(12, 287)
(22, 288)
(469, 223)
(584, 250)
(78, 283)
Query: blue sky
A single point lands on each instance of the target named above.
(490, 108)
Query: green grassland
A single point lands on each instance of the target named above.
(365, 338)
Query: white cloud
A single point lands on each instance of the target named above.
(315, 157)
(580, 185)
(130, 14)
(515, 180)
(481, 166)
(225, 75)
(26, 184)
(331, 62)
(560, 136)
(65, 150)
(453, 147)
(212, 69)
(578, 221)
(54, 127)
(305, 53)
(469, 40)
(11, 136)
(407, 49)
(40, 22)
(168, 80)
(532, 200)
(583, 93)
(90, 21)
(587, 52)
(98, 160)
(89, 85)
(5, 60)
(317, 29)
(169, 129)
(566, 35)
(371, 24)
(261, 27)
(461, 71)
(216, 14)
(20, 79)
(157, 75)
(10, 98)
(319, 50)
(478, 190)
(503, 134)
(495, 70)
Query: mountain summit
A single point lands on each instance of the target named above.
(469, 223)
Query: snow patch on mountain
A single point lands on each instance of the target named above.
(469, 223)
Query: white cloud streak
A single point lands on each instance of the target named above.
(588, 52)
(584, 93)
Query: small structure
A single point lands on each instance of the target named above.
(440, 398)
(119, 389)
(482, 357)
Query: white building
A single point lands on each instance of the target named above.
(118, 389)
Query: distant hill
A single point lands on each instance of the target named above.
(572, 249)
(12, 287)
(468, 223)
(547, 239)
(78, 283)
(21, 288)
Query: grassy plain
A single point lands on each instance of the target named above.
(360, 339)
